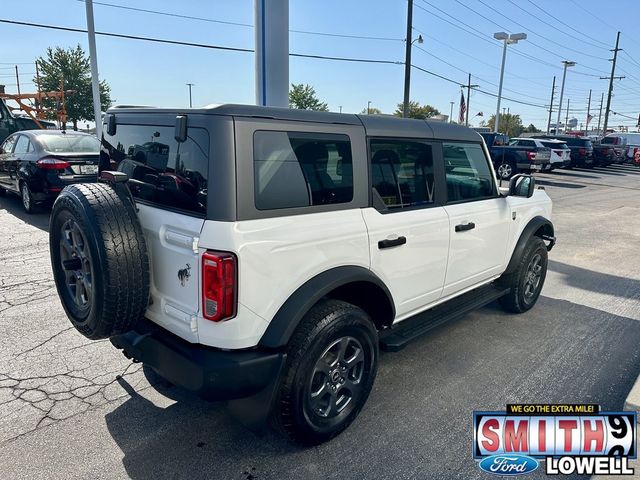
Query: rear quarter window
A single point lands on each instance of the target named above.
(162, 172)
(294, 169)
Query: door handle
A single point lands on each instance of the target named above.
(463, 227)
(396, 242)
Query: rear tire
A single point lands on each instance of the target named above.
(28, 203)
(526, 282)
(506, 170)
(99, 259)
(331, 365)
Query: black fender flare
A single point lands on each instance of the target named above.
(308, 294)
(534, 225)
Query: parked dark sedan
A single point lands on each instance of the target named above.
(38, 164)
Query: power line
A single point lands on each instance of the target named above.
(237, 24)
(192, 44)
(602, 44)
(481, 35)
(539, 35)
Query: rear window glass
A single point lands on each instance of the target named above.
(557, 146)
(68, 143)
(293, 169)
(579, 142)
(161, 171)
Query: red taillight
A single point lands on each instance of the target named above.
(582, 151)
(218, 286)
(52, 163)
(531, 155)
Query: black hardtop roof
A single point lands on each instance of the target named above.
(376, 125)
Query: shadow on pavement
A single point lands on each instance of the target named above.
(596, 281)
(572, 173)
(418, 420)
(549, 183)
(13, 205)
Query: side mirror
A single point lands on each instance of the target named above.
(522, 185)
(181, 128)
(111, 124)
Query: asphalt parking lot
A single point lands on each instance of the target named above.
(71, 408)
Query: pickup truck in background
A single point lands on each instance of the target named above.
(10, 123)
(508, 160)
(610, 149)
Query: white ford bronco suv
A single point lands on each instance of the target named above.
(264, 255)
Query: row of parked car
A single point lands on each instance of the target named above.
(547, 152)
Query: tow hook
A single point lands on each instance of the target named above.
(551, 239)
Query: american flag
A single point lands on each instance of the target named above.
(589, 118)
(463, 108)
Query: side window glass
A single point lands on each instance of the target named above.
(402, 173)
(161, 171)
(467, 171)
(7, 146)
(22, 145)
(293, 169)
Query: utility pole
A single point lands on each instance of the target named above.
(553, 91)
(600, 115)
(469, 87)
(369, 107)
(17, 80)
(586, 128)
(611, 78)
(566, 121)
(451, 113)
(407, 61)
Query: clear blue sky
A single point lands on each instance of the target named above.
(457, 34)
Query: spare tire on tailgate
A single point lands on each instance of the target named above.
(99, 259)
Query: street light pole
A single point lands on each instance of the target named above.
(451, 113)
(508, 40)
(567, 64)
(93, 60)
(190, 101)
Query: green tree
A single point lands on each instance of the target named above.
(303, 97)
(510, 124)
(532, 129)
(417, 111)
(70, 70)
(371, 111)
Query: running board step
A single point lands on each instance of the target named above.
(399, 336)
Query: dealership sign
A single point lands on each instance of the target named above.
(570, 438)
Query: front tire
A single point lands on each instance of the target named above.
(525, 284)
(331, 365)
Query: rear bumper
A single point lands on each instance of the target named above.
(211, 373)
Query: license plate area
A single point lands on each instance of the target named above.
(88, 169)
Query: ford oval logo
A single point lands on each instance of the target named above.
(508, 464)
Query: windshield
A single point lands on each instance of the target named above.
(65, 143)
(610, 141)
